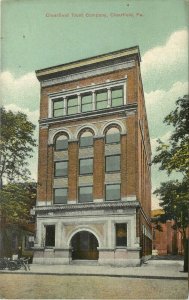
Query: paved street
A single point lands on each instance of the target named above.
(20, 286)
(153, 280)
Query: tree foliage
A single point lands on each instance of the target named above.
(175, 155)
(174, 194)
(16, 200)
(174, 200)
(16, 145)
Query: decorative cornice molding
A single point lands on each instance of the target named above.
(89, 73)
(87, 206)
(126, 109)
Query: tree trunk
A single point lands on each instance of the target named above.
(185, 243)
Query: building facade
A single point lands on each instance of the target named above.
(166, 241)
(94, 186)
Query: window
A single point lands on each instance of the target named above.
(29, 241)
(50, 235)
(86, 139)
(60, 195)
(113, 136)
(61, 143)
(86, 103)
(101, 99)
(61, 168)
(86, 166)
(72, 105)
(113, 163)
(58, 107)
(117, 97)
(85, 194)
(121, 234)
(113, 192)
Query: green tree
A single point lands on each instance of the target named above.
(16, 200)
(174, 157)
(16, 145)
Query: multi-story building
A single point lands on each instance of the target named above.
(94, 187)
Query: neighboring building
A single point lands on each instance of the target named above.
(167, 240)
(94, 181)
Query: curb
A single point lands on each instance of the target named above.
(102, 275)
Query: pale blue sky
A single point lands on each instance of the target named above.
(31, 40)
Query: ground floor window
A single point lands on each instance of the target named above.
(29, 241)
(49, 235)
(121, 234)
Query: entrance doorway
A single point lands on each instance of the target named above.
(84, 246)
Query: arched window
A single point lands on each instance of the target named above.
(113, 136)
(61, 142)
(86, 139)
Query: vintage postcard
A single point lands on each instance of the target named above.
(90, 208)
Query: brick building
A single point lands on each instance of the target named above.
(94, 186)
(166, 240)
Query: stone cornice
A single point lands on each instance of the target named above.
(91, 62)
(86, 74)
(87, 206)
(124, 109)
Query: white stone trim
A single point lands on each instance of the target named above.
(84, 228)
(114, 122)
(129, 198)
(54, 131)
(85, 126)
(98, 200)
(90, 73)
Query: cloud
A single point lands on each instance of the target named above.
(159, 103)
(155, 202)
(167, 57)
(163, 138)
(33, 116)
(22, 91)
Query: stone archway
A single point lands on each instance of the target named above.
(84, 246)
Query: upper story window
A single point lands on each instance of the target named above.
(60, 195)
(58, 107)
(113, 136)
(86, 102)
(61, 142)
(61, 168)
(86, 139)
(85, 194)
(113, 192)
(72, 105)
(86, 166)
(86, 99)
(113, 163)
(117, 96)
(101, 99)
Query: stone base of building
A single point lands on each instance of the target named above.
(122, 257)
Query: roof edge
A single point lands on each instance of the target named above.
(89, 61)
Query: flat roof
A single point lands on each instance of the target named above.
(89, 61)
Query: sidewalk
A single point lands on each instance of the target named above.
(152, 269)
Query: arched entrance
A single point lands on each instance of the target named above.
(84, 246)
